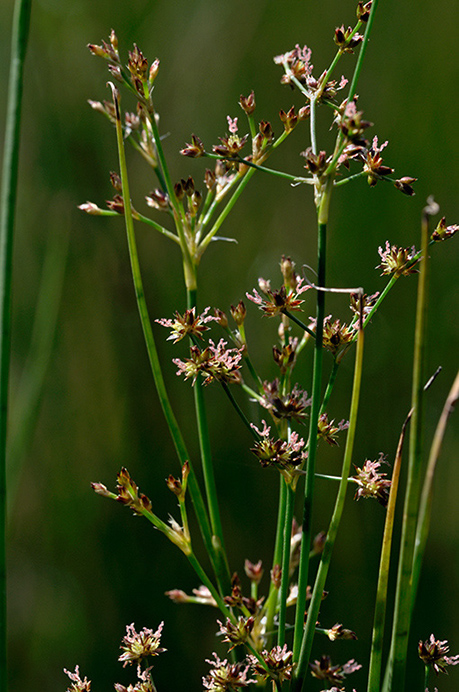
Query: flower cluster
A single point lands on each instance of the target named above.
(287, 456)
(279, 664)
(78, 685)
(435, 653)
(139, 645)
(328, 431)
(371, 483)
(216, 362)
(187, 324)
(397, 260)
(324, 670)
(226, 676)
(238, 633)
(290, 405)
(277, 302)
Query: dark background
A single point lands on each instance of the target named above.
(81, 568)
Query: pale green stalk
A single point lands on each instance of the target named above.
(314, 606)
(395, 672)
(174, 429)
(423, 524)
(20, 31)
(223, 573)
(374, 675)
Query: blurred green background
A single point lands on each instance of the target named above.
(81, 568)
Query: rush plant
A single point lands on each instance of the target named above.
(269, 636)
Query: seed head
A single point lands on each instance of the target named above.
(398, 260)
(435, 653)
(78, 685)
(279, 662)
(371, 483)
(443, 232)
(139, 645)
(187, 324)
(226, 676)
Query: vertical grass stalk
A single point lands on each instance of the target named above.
(374, 675)
(313, 610)
(20, 32)
(314, 419)
(395, 673)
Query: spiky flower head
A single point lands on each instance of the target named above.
(373, 163)
(291, 405)
(216, 362)
(371, 483)
(139, 645)
(443, 232)
(339, 632)
(398, 260)
(232, 144)
(435, 653)
(236, 634)
(287, 456)
(143, 684)
(187, 324)
(324, 670)
(279, 662)
(225, 676)
(328, 431)
(78, 685)
(276, 302)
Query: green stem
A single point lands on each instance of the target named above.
(330, 385)
(314, 418)
(297, 321)
(374, 674)
(239, 411)
(271, 601)
(313, 610)
(285, 579)
(362, 51)
(230, 204)
(223, 574)
(171, 421)
(395, 672)
(20, 31)
(422, 528)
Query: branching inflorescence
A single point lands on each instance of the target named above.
(299, 422)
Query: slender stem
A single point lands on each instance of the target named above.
(230, 204)
(374, 674)
(169, 415)
(239, 411)
(362, 51)
(312, 122)
(422, 529)
(285, 578)
(297, 321)
(395, 672)
(313, 610)
(223, 573)
(271, 602)
(310, 468)
(20, 30)
(330, 385)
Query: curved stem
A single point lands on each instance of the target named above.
(169, 415)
